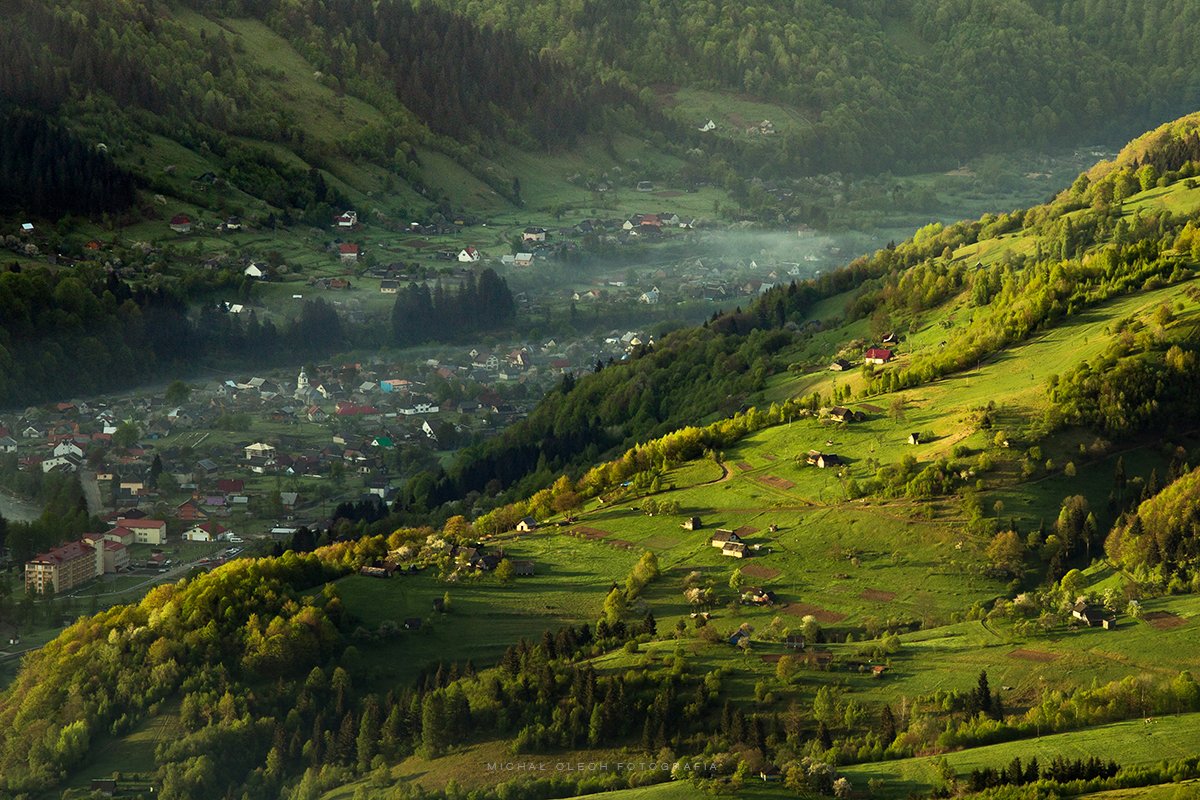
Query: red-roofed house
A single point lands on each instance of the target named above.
(231, 485)
(878, 355)
(120, 535)
(145, 531)
(469, 255)
(181, 223)
(348, 251)
(345, 409)
(189, 511)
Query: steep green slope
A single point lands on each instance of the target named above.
(869, 77)
(260, 96)
(913, 570)
(261, 93)
(963, 291)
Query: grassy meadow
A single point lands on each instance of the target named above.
(1135, 742)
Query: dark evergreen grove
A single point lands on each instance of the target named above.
(65, 333)
(46, 171)
(421, 314)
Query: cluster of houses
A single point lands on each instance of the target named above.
(709, 279)
(71, 564)
(464, 559)
(354, 415)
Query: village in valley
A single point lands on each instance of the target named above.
(184, 477)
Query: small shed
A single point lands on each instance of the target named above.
(692, 524)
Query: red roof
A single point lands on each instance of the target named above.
(211, 528)
(140, 523)
(880, 352)
(231, 485)
(65, 552)
(181, 219)
(350, 409)
(347, 247)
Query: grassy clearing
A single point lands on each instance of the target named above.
(133, 752)
(489, 763)
(1132, 743)
(686, 791)
(572, 578)
(733, 113)
(1186, 790)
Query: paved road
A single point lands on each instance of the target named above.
(91, 492)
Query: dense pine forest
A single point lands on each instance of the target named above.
(871, 75)
(46, 171)
(864, 80)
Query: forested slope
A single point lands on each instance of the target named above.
(890, 83)
(877, 86)
(276, 688)
(1060, 259)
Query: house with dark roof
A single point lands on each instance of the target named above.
(1093, 616)
(723, 536)
(734, 550)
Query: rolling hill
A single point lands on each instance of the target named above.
(237, 108)
(922, 555)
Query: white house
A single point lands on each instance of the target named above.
(469, 255)
(204, 532)
(254, 271)
(650, 297)
(145, 531)
(68, 448)
(61, 463)
(347, 220)
(259, 451)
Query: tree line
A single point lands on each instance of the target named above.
(421, 314)
(47, 171)
(63, 333)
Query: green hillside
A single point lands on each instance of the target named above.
(983, 547)
(403, 110)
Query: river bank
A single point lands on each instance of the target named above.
(16, 508)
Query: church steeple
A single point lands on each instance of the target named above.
(302, 388)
